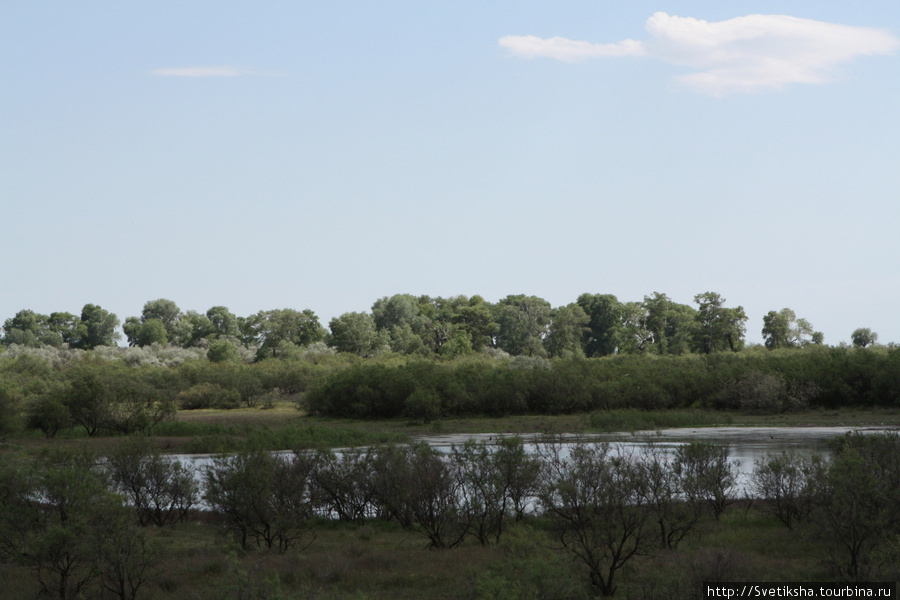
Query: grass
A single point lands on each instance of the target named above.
(283, 427)
(379, 560)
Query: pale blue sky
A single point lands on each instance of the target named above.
(324, 154)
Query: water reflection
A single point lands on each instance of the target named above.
(746, 444)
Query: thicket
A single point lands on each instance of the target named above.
(761, 382)
(65, 518)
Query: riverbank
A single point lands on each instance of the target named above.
(283, 427)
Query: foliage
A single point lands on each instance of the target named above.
(863, 337)
(58, 519)
(786, 482)
(263, 498)
(706, 474)
(856, 508)
(161, 490)
(593, 499)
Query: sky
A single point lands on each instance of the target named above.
(325, 154)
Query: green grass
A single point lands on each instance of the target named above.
(628, 419)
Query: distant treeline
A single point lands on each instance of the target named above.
(128, 390)
(595, 325)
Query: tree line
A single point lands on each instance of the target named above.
(595, 325)
(133, 390)
(80, 527)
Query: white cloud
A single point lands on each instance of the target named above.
(743, 54)
(531, 46)
(225, 71)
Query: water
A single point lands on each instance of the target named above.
(746, 444)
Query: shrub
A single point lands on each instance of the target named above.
(208, 395)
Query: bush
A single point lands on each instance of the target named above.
(161, 491)
(208, 395)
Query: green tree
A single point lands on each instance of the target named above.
(857, 513)
(151, 331)
(636, 337)
(783, 329)
(58, 518)
(476, 318)
(605, 313)
(28, 328)
(863, 337)
(222, 322)
(223, 351)
(98, 328)
(355, 333)
(524, 322)
(670, 324)
(162, 491)
(568, 327)
(264, 498)
(593, 500)
(718, 328)
(301, 328)
(145, 330)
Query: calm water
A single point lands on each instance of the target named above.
(746, 444)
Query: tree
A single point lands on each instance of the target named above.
(415, 486)
(524, 322)
(593, 500)
(856, 510)
(222, 322)
(161, 321)
(670, 324)
(783, 329)
(344, 483)
(59, 519)
(568, 327)
(605, 314)
(300, 328)
(707, 476)
(97, 328)
(356, 333)
(863, 337)
(476, 318)
(223, 351)
(264, 498)
(10, 401)
(662, 490)
(636, 337)
(785, 482)
(161, 491)
(28, 328)
(718, 328)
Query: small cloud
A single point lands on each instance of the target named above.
(225, 71)
(531, 46)
(743, 54)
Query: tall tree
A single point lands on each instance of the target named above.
(301, 328)
(718, 328)
(605, 313)
(160, 311)
(863, 337)
(98, 328)
(636, 336)
(523, 324)
(568, 326)
(671, 324)
(29, 328)
(783, 329)
(355, 332)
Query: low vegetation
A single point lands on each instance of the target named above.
(573, 521)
